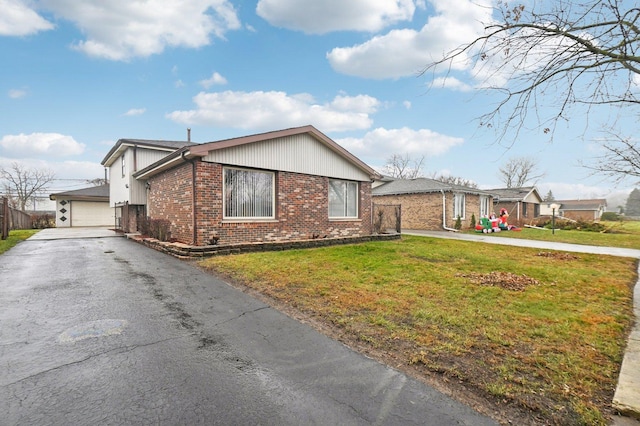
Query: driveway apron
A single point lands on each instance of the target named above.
(99, 330)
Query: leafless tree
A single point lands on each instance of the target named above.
(454, 180)
(568, 55)
(519, 172)
(22, 183)
(97, 181)
(404, 167)
(620, 158)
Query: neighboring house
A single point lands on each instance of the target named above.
(522, 204)
(84, 207)
(127, 195)
(587, 210)
(291, 184)
(429, 204)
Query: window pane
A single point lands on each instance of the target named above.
(343, 199)
(352, 199)
(248, 193)
(336, 198)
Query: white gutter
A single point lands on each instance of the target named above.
(444, 213)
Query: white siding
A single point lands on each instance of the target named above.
(127, 189)
(298, 153)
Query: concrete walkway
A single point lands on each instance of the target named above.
(74, 233)
(627, 396)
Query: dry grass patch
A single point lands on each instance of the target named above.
(542, 344)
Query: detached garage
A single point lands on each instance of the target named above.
(84, 207)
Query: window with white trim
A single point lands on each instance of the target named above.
(124, 169)
(484, 206)
(248, 194)
(458, 205)
(343, 199)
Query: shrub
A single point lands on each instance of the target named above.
(160, 229)
(473, 221)
(458, 224)
(611, 216)
(42, 221)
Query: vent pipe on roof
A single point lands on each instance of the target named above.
(188, 134)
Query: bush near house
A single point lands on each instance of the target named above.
(160, 229)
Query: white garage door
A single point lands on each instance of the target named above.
(91, 213)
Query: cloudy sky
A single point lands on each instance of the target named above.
(76, 76)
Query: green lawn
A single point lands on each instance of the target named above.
(618, 234)
(15, 237)
(538, 335)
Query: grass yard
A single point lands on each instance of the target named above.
(15, 237)
(619, 234)
(537, 337)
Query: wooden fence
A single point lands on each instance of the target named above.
(12, 219)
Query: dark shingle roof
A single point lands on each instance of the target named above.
(594, 204)
(512, 194)
(421, 185)
(93, 193)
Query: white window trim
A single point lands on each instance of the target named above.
(226, 218)
(357, 198)
(484, 199)
(456, 196)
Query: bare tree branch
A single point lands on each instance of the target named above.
(404, 167)
(22, 183)
(519, 172)
(569, 57)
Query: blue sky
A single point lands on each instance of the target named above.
(78, 76)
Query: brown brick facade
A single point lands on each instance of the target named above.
(301, 210)
(424, 210)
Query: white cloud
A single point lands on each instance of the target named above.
(407, 104)
(380, 143)
(17, 93)
(124, 29)
(179, 83)
(214, 79)
(18, 19)
(135, 111)
(269, 110)
(321, 17)
(404, 52)
(40, 144)
(450, 83)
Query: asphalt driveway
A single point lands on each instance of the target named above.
(97, 329)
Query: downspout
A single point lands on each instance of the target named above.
(193, 198)
(444, 213)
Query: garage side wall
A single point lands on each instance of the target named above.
(424, 210)
(419, 211)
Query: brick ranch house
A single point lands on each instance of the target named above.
(428, 204)
(286, 185)
(522, 204)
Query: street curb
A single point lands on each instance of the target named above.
(626, 399)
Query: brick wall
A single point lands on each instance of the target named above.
(301, 208)
(424, 211)
(170, 197)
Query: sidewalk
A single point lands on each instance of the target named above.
(627, 396)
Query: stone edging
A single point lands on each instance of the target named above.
(185, 251)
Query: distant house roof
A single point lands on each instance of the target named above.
(515, 194)
(94, 193)
(161, 145)
(593, 204)
(421, 185)
(188, 152)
